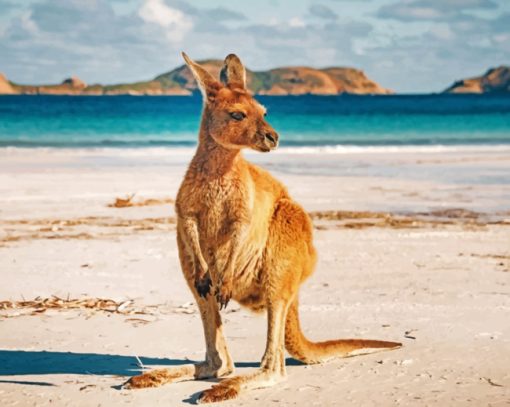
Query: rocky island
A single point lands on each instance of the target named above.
(495, 80)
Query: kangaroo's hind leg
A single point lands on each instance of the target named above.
(288, 253)
(272, 367)
(218, 362)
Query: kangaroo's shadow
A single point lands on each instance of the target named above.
(17, 362)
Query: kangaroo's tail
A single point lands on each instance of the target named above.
(309, 352)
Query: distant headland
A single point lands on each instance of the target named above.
(279, 81)
(294, 80)
(495, 80)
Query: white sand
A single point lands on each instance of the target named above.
(447, 287)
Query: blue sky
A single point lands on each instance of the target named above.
(406, 45)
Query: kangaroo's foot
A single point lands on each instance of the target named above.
(230, 388)
(224, 294)
(219, 392)
(159, 377)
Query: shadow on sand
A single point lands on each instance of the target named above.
(17, 362)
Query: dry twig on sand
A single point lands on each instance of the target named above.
(37, 306)
(40, 305)
(128, 202)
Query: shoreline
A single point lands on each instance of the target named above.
(305, 149)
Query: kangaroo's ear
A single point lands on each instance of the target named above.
(206, 82)
(233, 73)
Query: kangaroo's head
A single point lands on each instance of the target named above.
(231, 116)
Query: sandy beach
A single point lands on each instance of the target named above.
(414, 246)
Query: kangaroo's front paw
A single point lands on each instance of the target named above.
(203, 285)
(223, 294)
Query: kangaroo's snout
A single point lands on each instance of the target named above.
(271, 139)
(267, 138)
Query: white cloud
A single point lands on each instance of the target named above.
(424, 13)
(322, 11)
(174, 21)
(502, 38)
(27, 23)
(442, 32)
(424, 10)
(296, 22)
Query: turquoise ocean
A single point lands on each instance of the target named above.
(302, 121)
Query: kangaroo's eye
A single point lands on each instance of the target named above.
(265, 114)
(237, 115)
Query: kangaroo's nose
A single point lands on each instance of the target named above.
(272, 138)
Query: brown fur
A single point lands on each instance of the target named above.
(241, 236)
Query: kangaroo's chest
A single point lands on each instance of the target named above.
(219, 206)
(221, 203)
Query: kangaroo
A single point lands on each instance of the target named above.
(241, 236)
